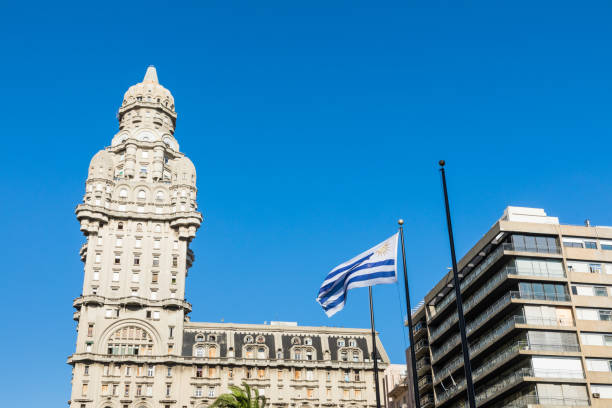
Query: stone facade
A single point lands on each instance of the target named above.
(136, 347)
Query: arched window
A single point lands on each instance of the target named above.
(341, 343)
(352, 343)
(199, 351)
(159, 195)
(279, 353)
(260, 339)
(295, 340)
(250, 352)
(130, 340)
(142, 194)
(139, 227)
(212, 351)
(248, 339)
(199, 337)
(261, 352)
(356, 356)
(308, 341)
(157, 228)
(120, 226)
(123, 193)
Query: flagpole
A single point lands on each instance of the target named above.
(464, 344)
(374, 356)
(415, 380)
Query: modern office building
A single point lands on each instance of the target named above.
(135, 345)
(537, 299)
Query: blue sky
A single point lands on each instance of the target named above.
(313, 127)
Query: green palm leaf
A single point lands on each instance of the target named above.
(240, 397)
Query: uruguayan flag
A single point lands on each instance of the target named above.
(373, 267)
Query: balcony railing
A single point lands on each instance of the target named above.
(513, 270)
(509, 246)
(427, 399)
(421, 344)
(526, 400)
(571, 348)
(423, 363)
(554, 297)
(491, 390)
(424, 381)
(418, 327)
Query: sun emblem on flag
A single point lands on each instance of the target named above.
(383, 249)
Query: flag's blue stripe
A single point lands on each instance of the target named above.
(339, 284)
(344, 268)
(353, 267)
(341, 299)
(332, 287)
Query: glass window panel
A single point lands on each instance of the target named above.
(552, 244)
(525, 288)
(530, 243)
(519, 242)
(538, 290)
(541, 244)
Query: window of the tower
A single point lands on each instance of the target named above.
(120, 226)
(159, 195)
(130, 340)
(157, 228)
(139, 227)
(123, 193)
(142, 194)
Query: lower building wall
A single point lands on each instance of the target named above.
(282, 386)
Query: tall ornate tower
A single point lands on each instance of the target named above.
(138, 215)
(136, 348)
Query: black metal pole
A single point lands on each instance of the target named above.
(374, 356)
(415, 380)
(464, 343)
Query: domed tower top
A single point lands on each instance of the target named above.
(147, 105)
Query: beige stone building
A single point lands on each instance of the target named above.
(537, 298)
(135, 346)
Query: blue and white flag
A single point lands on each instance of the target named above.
(372, 267)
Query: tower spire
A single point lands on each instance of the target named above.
(151, 75)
